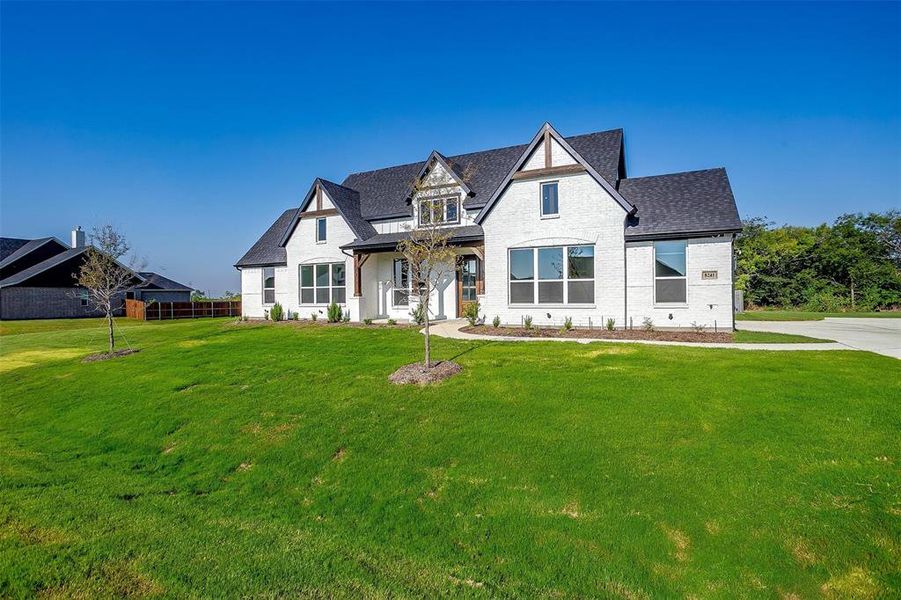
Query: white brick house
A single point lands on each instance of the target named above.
(550, 229)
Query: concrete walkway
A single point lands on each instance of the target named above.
(882, 336)
(451, 329)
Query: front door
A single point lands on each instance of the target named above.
(467, 278)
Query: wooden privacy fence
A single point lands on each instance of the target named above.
(161, 311)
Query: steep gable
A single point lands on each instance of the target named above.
(546, 137)
(384, 192)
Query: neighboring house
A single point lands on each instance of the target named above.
(551, 229)
(38, 280)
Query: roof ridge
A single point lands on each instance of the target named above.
(451, 157)
(676, 173)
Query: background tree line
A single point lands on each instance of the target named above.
(853, 264)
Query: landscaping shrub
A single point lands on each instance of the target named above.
(418, 314)
(611, 324)
(568, 323)
(367, 321)
(496, 321)
(392, 322)
(647, 324)
(346, 317)
(698, 327)
(314, 316)
(277, 313)
(471, 312)
(334, 312)
(527, 321)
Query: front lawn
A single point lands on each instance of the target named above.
(276, 460)
(742, 336)
(798, 315)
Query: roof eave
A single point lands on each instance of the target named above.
(679, 235)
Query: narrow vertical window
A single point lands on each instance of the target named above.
(320, 230)
(401, 292)
(268, 285)
(522, 276)
(322, 287)
(549, 204)
(670, 285)
(307, 290)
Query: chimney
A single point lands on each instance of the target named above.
(77, 237)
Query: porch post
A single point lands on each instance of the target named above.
(359, 261)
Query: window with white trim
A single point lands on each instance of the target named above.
(551, 275)
(439, 211)
(550, 206)
(321, 233)
(400, 295)
(323, 283)
(268, 285)
(670, 286)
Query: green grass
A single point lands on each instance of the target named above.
(259, 460)
(765, 337)
(798, 315)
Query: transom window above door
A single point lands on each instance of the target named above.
(439, 211)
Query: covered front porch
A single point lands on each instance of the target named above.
(383, 288)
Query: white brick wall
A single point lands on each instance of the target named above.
(708, 301)
(588, 215)
(302, 248)
(559, 156)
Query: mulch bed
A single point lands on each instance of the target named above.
(416, 373)
(108, 355)
(320, 323)
(602, 334)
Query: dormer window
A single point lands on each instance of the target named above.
(439, 211)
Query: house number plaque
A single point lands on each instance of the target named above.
(705, 275)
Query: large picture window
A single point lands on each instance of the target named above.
(439, 211)
(669, 273)
(268, 285)
(323, 283)
(552, 275)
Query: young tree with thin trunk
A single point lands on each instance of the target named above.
(105, 279)
(429, 260)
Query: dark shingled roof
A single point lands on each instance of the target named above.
(51, 262)
(387, 241)
(23, 249)
(10, 245)
(684, 204)
(155, 280)
(266, 251)
(383, 192)
(680, 204)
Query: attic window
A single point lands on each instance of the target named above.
(550, 207)
(439, 211)
(320, 230)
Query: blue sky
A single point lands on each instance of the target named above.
(192, 126)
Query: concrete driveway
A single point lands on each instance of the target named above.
(882, 336)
